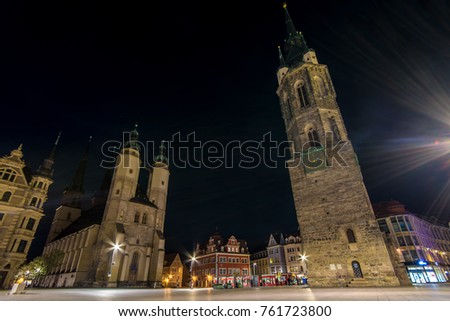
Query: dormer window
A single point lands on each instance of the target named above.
(8, 174)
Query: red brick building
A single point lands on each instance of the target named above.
(222, 261)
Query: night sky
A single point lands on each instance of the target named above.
(96, 69)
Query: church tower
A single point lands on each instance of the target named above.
(130, 245)
(341, 238)
(70, 209)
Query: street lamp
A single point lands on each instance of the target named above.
(193, 259)
(115, 248)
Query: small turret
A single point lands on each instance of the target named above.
(46, 169)
(283, 69)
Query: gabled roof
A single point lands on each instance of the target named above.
(92, 216)
(169, 258)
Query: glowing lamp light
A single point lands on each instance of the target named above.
(116, 246)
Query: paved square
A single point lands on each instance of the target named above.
(412, 293)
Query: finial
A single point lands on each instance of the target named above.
(20, 147)
(57, 138)
(284, 5)
(90, 139)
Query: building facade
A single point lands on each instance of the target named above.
(422, 247)
(295, 259)
(221, 261)
(174, 273)
(339, 232)
(119, 240)
(281, 261)
(259, 262)
(22, 196)
(275, 254)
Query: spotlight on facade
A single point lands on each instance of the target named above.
(116, 246)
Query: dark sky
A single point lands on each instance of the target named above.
(91, 68)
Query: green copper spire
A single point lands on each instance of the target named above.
(289, 24)
(295, 45)
(133, 142)
(161, 158)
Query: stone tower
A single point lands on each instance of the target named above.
(341, 238)
(70, 209)
(130, 245)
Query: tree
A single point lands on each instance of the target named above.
(41, 265)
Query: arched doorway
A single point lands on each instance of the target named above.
(357, 270)
(134, 268)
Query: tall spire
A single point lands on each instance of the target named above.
(52, 153)
(77, 184)
(295, 44)
(46, 169)
(289, 24)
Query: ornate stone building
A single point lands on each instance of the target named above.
(22, 196)
(119, 240)
(338, 229)
(221, 261)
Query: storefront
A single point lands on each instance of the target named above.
(238, 281)
(281, 279)
(426, 273)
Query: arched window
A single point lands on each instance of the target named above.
(351, 236)
(40, 184)
(8, 174)
(136, 217)
(33, 201)
(6, 196)
(313, 138)
(144, 218)
(39, 203)
(357, 270)
(134, 265)
(302, 95)
(287, 105)
(320, 84)
(335, 130)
